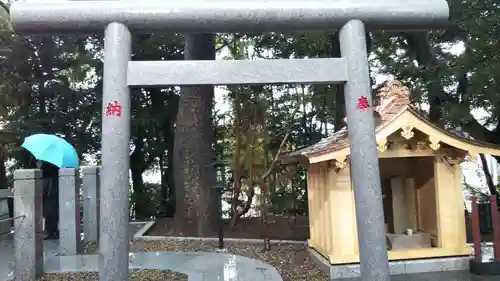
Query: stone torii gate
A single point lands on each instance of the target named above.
(119, 18)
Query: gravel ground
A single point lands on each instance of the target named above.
(136, 275)
(292, 261)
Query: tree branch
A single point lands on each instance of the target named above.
(276, 157)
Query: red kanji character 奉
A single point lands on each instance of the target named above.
(363, 103)
(114, 109)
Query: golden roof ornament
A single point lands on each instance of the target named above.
(393, 93)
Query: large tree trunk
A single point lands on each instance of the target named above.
(340, 111)
(3, 170)
(137, 167)
(140, 205)
(173, 106)
(193, 152)
(165, 104)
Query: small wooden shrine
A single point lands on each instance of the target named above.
(421, 185)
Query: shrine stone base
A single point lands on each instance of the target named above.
(403, 241)
(396, 267)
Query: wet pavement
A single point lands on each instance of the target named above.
(198, 266)
(50, 247)
(7, 256)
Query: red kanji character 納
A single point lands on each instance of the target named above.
(114, 108)
(363, 103)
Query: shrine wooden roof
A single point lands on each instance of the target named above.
(393, 114)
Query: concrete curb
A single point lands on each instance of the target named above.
(139, 235)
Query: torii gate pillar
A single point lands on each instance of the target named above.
(119, 18)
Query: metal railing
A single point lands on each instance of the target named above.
(13, 218)
(5, 212)
(12, 229)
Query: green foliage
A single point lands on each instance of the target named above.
(454, 70)
(147, 202)
(290, 198)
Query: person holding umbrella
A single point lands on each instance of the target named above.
(50, 174)
(52, 153)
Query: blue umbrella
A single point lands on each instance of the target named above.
(52, 149)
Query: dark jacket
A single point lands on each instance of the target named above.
(50, 174)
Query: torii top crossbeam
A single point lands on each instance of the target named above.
(225, 15)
